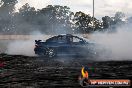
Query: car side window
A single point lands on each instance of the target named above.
(69, 39)
(62, 39)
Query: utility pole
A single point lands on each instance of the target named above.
(93, 15)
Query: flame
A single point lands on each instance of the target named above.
(84, 73)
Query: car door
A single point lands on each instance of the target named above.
(63, 45)
(78, 45)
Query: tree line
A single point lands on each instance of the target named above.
(53, 19)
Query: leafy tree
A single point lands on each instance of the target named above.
(106, 21)
(6, 15)
(25, 20)
(82, 22)
(97, 24)
(119, 16)
(53, 19)
(58, 17)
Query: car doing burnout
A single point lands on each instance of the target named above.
(64, 45)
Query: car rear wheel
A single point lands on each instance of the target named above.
(50, 52)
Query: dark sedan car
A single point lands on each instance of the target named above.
(65, 45)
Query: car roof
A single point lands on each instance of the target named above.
(65, 35)
(61, 35)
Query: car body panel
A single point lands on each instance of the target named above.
(64, 45)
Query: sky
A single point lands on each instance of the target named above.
(102, 7)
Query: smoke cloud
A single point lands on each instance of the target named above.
(21, 48)
(25, 47)
(120, 43)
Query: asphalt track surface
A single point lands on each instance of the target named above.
(18, 71)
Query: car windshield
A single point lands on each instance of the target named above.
(53, 39)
